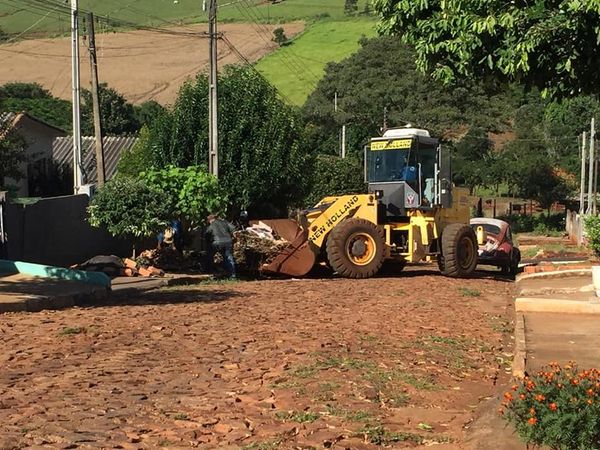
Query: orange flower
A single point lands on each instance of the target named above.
(590, 392)
(575, 381)
(553, 407)
(522, 396)
(532, 411)
(508, 396)
(532, 421)
(590, 401)
(540, 398)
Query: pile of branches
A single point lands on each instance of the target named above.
(252, 251)
(170, 260)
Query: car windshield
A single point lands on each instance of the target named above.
(389, 165)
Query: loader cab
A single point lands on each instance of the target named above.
(408, 171)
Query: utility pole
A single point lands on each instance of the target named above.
(343, 141)
(590, 179)
(335, 102)
(592, 151)
(77, 178)
(583, 161)
(100, 172)
(213, 137)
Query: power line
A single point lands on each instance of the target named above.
(239, 54)
(293, 66)
(258, 13)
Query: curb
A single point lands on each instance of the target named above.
(554, 274)
(92, 296)
(520, 358)
(552, 305)
(36, 303)
(157, 284)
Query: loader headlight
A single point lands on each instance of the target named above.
(378, 194)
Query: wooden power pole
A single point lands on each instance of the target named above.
(213, 137)
(101, 173)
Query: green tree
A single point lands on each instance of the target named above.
(118, 116)
(474, 159)
(138, 158)
(147, 112)
(382, 74)
(130, 208)
(552, 45)
(33, 99)
(279, 36)
(563, 122)
(262, 160)
(191, 194)
(350, 7)
(333, 175)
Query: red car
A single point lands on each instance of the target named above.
(499, 249)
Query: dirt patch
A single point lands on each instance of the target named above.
(307, 363)
(142, 65)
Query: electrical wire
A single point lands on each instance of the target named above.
(239, 54)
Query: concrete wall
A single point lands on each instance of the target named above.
(55, 231)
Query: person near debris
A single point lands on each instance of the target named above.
(219, 236)
(172, 236)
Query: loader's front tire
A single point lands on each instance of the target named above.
(356, 248)
(459, 251)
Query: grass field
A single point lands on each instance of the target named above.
(296, 68)
(53, 16)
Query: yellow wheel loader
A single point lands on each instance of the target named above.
(411, 213)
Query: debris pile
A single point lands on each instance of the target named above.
(253, 247)
(113, 266)
(170, 260)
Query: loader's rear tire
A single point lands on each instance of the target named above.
(459, 251)
(356, 248)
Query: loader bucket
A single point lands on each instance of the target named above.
(297, 258)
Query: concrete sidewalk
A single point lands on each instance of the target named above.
(557, 319)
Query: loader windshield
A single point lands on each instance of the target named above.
(392, 160)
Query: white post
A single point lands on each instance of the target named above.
(592, 151)
(590, 178)
(343, 141)
(77, 176)
(583, 161)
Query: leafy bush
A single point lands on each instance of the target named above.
(539, 224)
(558, 407)
(335, 176)
(592, 230)
(191, 194)
(129, 207)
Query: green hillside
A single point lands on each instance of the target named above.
(296, 68)
(52, 16)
